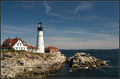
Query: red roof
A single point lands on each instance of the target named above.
(12, 41)
(51, 47)
(35, 48)
(30, 47)
(24, 42)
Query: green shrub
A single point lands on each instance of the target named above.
(11, 50)
(4, 51)
(49, 55)
(8, 50)
(2, 58)
(20, 51)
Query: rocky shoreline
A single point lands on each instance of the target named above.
(30, 65)
(85, 61)
(23, 64)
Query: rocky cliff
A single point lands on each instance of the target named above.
(29, 65)
(85, 61)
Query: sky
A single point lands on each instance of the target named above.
(67, 25)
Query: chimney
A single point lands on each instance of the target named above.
(16, 37)
(8, 38)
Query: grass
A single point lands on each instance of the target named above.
(3, 58)
(21, 51)
(45, 56)
(7, 50)
(48, 55)
(4, 51)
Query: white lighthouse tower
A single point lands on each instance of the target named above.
(40, 40)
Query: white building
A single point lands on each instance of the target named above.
(18, 44)
(40, 40)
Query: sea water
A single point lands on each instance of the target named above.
(111, 56)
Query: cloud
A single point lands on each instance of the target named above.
(88, 34)
(78, 32)
(76, 43)
(48, 8)
(49, 12)
(90, 18)
(16, 29)
(54, 14)
(27, 33)
(73, 38)
(12, 32)
(83, 6)
(80, 38)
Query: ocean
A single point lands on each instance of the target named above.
(111, 56)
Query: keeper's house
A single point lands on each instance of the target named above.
(18, 44)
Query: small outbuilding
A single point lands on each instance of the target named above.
(51, 49)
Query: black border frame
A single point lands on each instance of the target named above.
(66, 77)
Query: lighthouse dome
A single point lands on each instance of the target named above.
(39, 23)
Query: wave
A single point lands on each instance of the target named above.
(112, 66)
(107, 60)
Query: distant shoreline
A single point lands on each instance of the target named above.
(88, 49)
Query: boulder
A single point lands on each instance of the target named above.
(85, 61)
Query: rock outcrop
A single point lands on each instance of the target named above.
(85, 61)
(30, 65)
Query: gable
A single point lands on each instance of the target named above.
(20, 43)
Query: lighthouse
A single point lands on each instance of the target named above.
(40, 40)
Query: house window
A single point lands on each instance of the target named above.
(20, 44)
(17, 44)
(6, 44)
